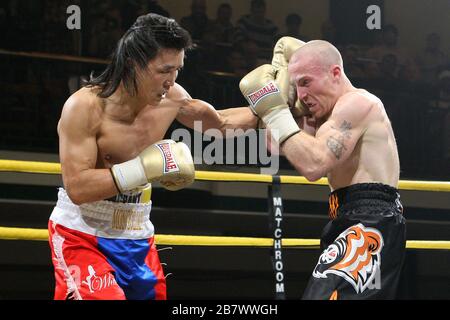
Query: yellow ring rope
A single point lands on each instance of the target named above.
(55, 168)
(185, 240)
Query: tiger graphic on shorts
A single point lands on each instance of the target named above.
(354, 256)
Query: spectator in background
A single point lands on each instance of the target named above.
(353, 67)
(410, 74)
(444, 90)
(235, 63)
(389, 42)
(293, 23)
(432, 59)
(436, 114)
(251, 52)
(222, 27)
(154, 7)
(388, 69)
(442, 108)
(208, 56)
(114, 13)
(98, 27)
(377, 38)
(389, 46)
(150, 6)
(131, 9)
(106, 32)
(215, 45)
(328, 31)
(197, 23)
(255, 26)
(3, 18)
(385, 83)
(55, 37)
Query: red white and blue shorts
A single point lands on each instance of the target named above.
(104, 250)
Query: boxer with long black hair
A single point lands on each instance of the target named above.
(111, 149)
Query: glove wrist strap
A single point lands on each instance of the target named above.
(129, 175)
(281, 123)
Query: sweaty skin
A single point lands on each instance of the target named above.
(354, 141)
(96, 133)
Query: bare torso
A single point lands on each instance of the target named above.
(375, 156)
(121, 138)
(120, 134)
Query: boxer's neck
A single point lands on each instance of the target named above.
(122, 99)
(345, 87)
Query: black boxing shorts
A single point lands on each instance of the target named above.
(363, 245)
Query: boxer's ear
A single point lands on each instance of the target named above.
(336, 71)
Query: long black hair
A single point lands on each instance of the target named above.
(139, 44)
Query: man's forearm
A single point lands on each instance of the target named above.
(306, 155)
(90, 185)
(237, 118)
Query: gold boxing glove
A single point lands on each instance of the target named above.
(282, 53)
(268, 102)
(167, 162)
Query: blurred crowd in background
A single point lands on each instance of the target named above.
(414, 85)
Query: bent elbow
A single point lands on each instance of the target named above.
(308, 172)
(313, 176)
(314, 173)
(313, 165)
(74, 193)
(75, 197)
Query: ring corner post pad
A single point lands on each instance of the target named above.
(275, 210)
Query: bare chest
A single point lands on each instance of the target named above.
(120, 141)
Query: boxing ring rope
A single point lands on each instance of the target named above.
(55, 168)
(7, 233)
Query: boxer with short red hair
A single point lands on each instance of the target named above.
(353, 144)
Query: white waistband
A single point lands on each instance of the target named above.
(104, 218)
(104, 209)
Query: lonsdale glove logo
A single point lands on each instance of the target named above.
(265, 91)
(169, 162)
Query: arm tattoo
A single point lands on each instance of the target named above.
(336, 143)
(345, 129)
